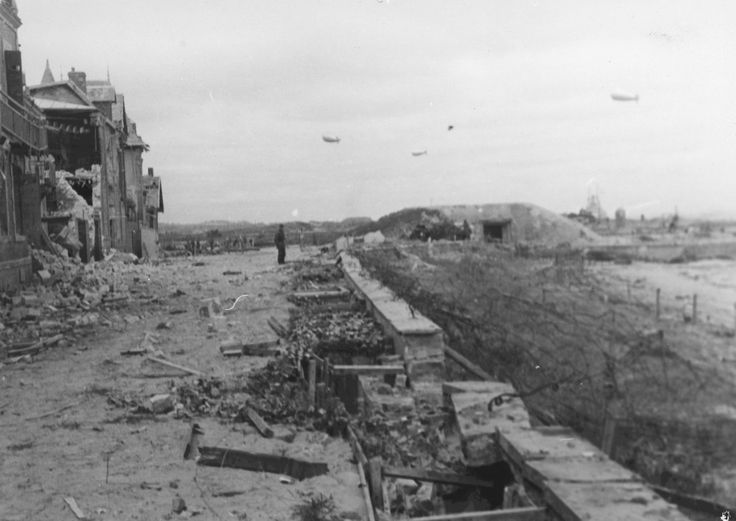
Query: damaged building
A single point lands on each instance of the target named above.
(153, 197)
(97, 152)
(23, 166)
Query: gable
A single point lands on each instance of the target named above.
(58, 92)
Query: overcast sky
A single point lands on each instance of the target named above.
(234, 97)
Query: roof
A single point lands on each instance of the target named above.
(153, 193)
(101, 91)
(134, 140)
(62, 92)
(48, 104)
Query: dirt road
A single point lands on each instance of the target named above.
(61, 437)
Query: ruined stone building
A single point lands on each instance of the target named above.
(153, 197)
(98, 152)
(22, 158)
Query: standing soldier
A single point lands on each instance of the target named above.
(280, 240)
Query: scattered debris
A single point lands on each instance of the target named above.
(75, 508)
(259, 423)
(297, 469)
(178, 505)
(161, 403)
(175, 366)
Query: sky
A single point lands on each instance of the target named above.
(234, 96)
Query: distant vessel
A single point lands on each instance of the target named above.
(422, 153)
(623, 96)
(330, 139)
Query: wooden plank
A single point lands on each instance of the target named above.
(375, 476)
(26, 350)
(175, 366)
(238, 459)
(386, 500)
(366, 493)
(437, 477)
(357, 449)
(312, 381)
(367, 369)
(466, 364)
(259, 423)
(279, 329)
(321, 294)
(511, 514)
(75, 508)
(264, 348)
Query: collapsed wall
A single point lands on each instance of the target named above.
(70, 203)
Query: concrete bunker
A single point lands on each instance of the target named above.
(496, 230)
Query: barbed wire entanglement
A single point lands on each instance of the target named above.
(543, 319)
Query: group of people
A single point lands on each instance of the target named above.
(194, 247)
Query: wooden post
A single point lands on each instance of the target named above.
(695, 307)
(375, 477)
(609, 431)
(328, 372)
(312, 381)
(656, 314)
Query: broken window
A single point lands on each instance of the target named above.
(83, 187)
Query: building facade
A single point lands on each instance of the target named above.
(23, 160)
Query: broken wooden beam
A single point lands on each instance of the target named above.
(175, 366)
(25, 349)
(511, 514)
(434, 476)
(75, 508)
(367, 369)
(375, 476)
(238, 459)
(357, 449)
(277, 327)
(321, 294)
(259, 423)
(134, 351)
(699, 504)
(467, 364)
(312, 381)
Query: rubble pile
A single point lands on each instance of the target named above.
(408, 441)
(276, 392)
(308, 275)
(279, 395)
(67, 299)
(339, 335)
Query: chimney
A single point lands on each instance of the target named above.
(150, 171)
(79, 79)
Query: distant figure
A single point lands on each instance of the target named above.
(280, 240)
(467, 232)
